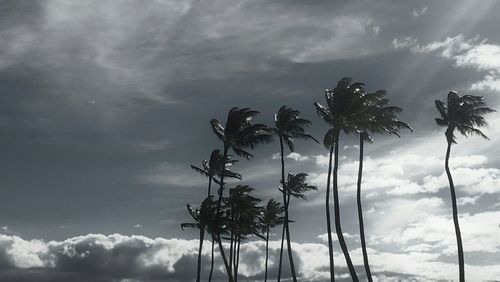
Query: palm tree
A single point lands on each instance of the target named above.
(288, 125)
(463, 113)
(204, 218)
(212, 168)
(270, 217)
(238, 134)
(374, 116)
(339, 107)
(243, 210)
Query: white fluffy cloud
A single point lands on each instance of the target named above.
(138, 258)
(465, 53)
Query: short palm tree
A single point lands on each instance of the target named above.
(238, 134)
(205, 220)
(271, 216)
(242, 211)
(212, 169)
(288, 125)
(375, 115)
(340, 107)
(464, 114)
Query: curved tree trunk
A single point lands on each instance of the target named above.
(328, 219)
(219, 204)
(267, 254)
(281, 251)
(224, 259)
(360, 211)
(198, 269)
(461, 264)
(289, 244)
(287, 231)
(338, 228)
(211, 261)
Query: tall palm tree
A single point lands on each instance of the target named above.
(238, 134)
(374, 115)
(463, 113)
(340, 106)
(205, 220)
(288, 125)
(212, 169)
(270, 217)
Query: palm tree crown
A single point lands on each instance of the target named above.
(463, 113)
(343, 107)
(289, 125)
(296, 185)
(271, 215)
(239, 132)
(375, 115)
(215, 166)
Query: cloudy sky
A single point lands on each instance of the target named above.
(105, 104)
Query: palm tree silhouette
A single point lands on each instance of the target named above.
(205, 220)
(271, 216)
(374, 115)
(288, 125)
(243, 213)
(339, 111)
(238, 134)
(215, 166)
(463, 113)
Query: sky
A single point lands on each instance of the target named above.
(104, 105)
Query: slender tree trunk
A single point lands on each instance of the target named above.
(231, 244)
(235, 249)
(360, 211)
(219, 204)
(224, 259)
(461, 264)
(328, 220)
(338, 228)
(198, 270)
(267, 253)
(212, 256)
(281, 251)
(287, 232)
(209, 186)
(211, 261)
(237, 258)
(289, 242)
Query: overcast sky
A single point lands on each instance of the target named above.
(105, 104)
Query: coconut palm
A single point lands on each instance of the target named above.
(212, 169)
(374, 115)
(288, 126)
(238, 134)
(337, 113)
(464, 114)
(242, 211)
(271, 216)
(205, 220)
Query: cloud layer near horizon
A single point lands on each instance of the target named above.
(138, 258)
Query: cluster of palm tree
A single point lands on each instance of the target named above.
(235, 214)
